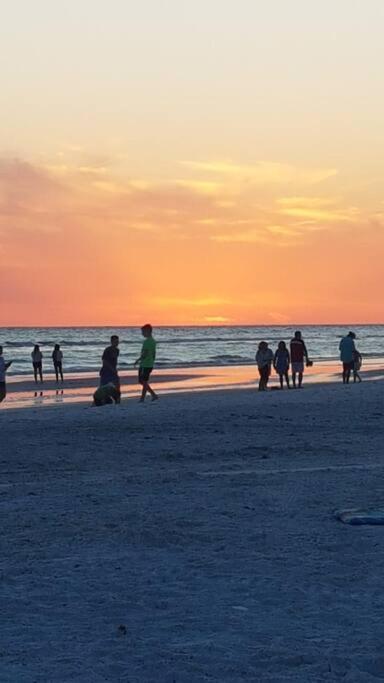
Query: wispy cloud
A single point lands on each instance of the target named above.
(262, 172)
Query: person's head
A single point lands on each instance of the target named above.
(57, 347)
(146, 330)
(282, 346)
(36, 348)
(352, 335)
(263, 346)
(297, 334)
(114, 340)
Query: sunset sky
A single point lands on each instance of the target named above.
(191, 162)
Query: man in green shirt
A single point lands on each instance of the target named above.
(146, 362)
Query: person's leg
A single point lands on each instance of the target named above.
(264, 373)
(3, 391)
(56, 371)
(35, 372)
(286, 375)
(294, 378)
(348, 374)
(281, 377)
(261, 384)
(300, 379)
(153, 394)
(61, 372)
(41, 372)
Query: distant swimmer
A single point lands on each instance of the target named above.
(37, 362)
(347, 352)
(106, 394)
(108, 372)
(3, 369)
(281, 363)
(264, 360)
(146, 361)
(299, 353)
(57, 357)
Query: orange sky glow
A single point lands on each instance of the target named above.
(195, 190)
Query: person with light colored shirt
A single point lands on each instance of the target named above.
(264, 360)
(3, 369)
(146, 361)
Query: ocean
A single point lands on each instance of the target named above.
(178, 346)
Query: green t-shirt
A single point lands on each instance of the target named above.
(149, 349)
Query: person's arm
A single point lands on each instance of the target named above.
(305, 352)
(144, 354)
(7, 365)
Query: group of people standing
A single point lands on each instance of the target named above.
(295, 357)
(282, 360)
(37, 363)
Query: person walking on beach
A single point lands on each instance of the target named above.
(347, 350)
(357, 363)
(281, 363)
(108, 372)
(264, 360)
(57, 357)
(146, 361)
(3, 369)
(298, 354)
(37, 362)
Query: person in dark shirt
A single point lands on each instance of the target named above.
(108, 372)
(298, 354)
(281, 363)
(57, 357)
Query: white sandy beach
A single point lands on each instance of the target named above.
(194, 539)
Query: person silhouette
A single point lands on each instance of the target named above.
(37, 362)
(108, 372)
(57, 357)
(264, 360)
(3, 369)
(146, 361)
(347, 350)
(298, 354)
(281, 363)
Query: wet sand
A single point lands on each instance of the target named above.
(23, 392)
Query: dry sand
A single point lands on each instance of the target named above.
(193, 539)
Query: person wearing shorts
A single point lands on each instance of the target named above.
(146, 361)
(298, 354)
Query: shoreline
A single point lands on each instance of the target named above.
(195, 538)
(22, 392)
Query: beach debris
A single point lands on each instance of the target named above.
(373, 516)
(122, 629)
